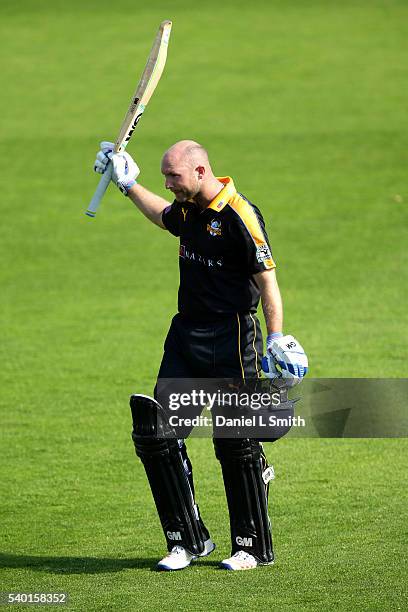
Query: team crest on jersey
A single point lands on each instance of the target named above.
(263, 252)
(214, 227)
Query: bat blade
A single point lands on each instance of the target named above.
(144, 91)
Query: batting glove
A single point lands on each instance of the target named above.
(285, 359)
(124, 168)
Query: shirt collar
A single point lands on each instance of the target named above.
(225, 195)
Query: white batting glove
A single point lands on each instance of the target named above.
(124, 168)
(102, 158)
(285, 359)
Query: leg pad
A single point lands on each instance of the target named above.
(169, 473)
(246, 473)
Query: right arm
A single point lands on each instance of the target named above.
(124, 174)
(150, 204)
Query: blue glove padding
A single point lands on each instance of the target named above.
(286, 359)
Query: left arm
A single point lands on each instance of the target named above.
(284, 351)
(271, 300)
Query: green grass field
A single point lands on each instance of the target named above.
(304, 104)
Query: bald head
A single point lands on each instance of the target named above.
(187, 153)
(188, 172)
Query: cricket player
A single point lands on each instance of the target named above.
(226, 267)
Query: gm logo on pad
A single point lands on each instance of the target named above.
(243, 541)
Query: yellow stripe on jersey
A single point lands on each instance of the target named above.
(225, 195)
(248, 217)
(239, 348)
(258, 374)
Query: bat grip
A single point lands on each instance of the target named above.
(100, 190)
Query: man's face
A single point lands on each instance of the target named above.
(180, 178)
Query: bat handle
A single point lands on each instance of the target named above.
(100, 190)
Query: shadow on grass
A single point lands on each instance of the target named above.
(74, 565)
(81, 565)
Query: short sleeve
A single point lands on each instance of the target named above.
(249, 229)
(171, 218)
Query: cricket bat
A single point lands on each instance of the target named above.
(144, 91)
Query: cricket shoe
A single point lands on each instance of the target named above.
(241, 560)
(179, 558)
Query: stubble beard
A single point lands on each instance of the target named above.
(187, 195)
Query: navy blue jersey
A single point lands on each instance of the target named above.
(221, 248)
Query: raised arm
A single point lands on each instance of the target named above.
(150, 204)
(124, 174)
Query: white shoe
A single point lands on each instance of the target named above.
(241, 560)
(179, 558)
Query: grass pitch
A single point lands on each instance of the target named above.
(304, 104)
